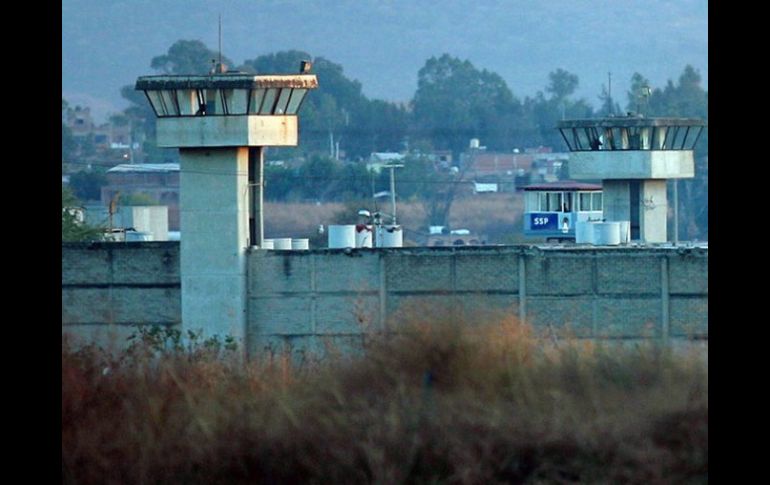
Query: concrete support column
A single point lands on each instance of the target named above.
(214, 220)
(256, 194)
(653, 208)
(616, 199)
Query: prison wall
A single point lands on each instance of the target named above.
(108, 288)
(313, 301)
(310, 301)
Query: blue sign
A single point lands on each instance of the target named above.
(540, 221)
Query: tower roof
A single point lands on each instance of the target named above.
(227, 81)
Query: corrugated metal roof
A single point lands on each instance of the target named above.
(144, 167)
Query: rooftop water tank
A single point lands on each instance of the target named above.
(282, 243)
(390, 237)
(364, 236)
(342, 236)
(300, 244)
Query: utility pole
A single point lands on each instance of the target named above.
(392, 168)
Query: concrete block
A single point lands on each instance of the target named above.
(628, 274)
(689, 317)
(488, 271)
(146, 305)
(227, 131)
(486, 308)
(145, 265)
(347, 314)
(342, 272)
(689, 274)
(557, 274)
(418, 272)
(419, 308)
(628, 317)
(567, 317)
(86, 266)
(86, 306)
(280, 316)
(272, 273)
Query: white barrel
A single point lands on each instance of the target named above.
(607, 233)
(342, 236)
(584, 232)
(268, 244)
(138, 236)
(300, 244)
(625, 232)
(282, 243)
(390, 237)
(364, 236)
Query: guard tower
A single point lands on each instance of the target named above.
(221, 123)
(633, 156)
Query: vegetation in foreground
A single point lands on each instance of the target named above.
(435, 403)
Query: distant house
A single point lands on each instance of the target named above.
(159, 181)
(490, 163)
(379, 159)
(480, 187)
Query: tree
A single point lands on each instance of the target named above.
(68, 143)
(455, 102)
(187, 57)
(686, 98)
(72, 230)
(318, 176)
(545, 112)
(561, 84)
(183, 57)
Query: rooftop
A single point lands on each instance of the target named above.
(227, 81)
(564, 185)
(630, 121)
(144, 167)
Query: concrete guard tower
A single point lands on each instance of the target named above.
(221, 123)
(633, 156)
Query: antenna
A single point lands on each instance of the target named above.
(220, 39)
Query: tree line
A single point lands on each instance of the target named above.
(454, 102)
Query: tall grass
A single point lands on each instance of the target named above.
(444, 400)
(493, 215)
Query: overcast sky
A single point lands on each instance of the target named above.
(383, 43)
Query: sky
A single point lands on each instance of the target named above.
(107, 44)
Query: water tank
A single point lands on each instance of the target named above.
(364, 236)
(268, 244)
(584, 232)
(475, 143)
(390, 237)
(300, 244)
(606, 233)
(282, 243)
(625, 232)
(342, 236)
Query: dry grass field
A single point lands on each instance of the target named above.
(447, 399)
